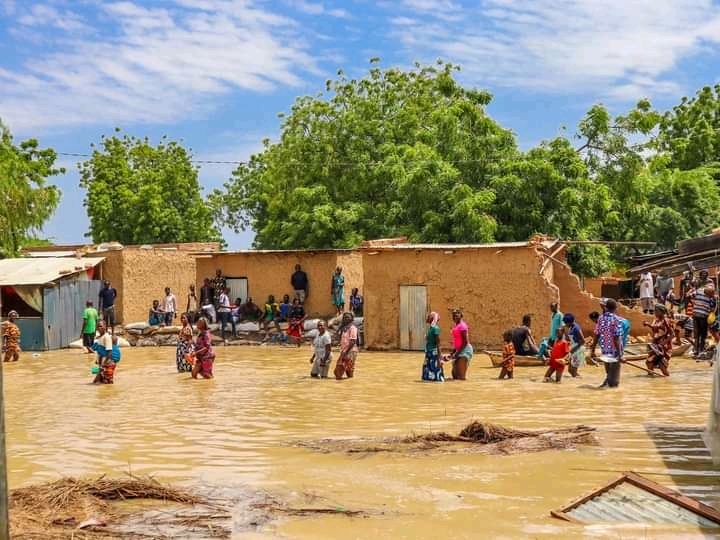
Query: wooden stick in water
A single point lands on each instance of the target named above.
(629, 363)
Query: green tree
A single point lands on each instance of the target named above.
(396, 152)
(138, 193)
(28, 201)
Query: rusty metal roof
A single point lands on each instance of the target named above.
(38, 271)
(634, 499)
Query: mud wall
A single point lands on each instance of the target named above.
(493, 286)
(112, 270)
(268, 272)
(581, 303)
(146, 273)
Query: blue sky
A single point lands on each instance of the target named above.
(215, 73)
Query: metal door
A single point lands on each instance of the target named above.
(413, 312)
(238, 288)
(52, 319)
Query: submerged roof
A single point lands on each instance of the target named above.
(634, 499)
(37, 271)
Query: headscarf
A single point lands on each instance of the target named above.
(348, 315)
(568, 318)
(661, 308)
(435, 317)
(13, 315)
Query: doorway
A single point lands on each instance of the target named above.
(413, 312)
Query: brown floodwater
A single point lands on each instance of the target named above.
(236, 433)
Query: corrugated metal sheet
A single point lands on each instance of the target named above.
(63, 309)
(413, 312)
(627, 503)
(32, 334)
(37, 271)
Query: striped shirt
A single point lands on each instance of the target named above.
(703, 305)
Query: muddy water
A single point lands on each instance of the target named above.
(234, 432)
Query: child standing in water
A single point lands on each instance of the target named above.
(559, 357)
(508, 364)
(204, 354)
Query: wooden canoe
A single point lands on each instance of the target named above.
(496, 357)
(638, 351)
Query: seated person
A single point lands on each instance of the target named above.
(284, 309)
(156, 316)
(356, 303)
(523, 340)
(249, 311)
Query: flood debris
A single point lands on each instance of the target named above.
(92, 508)
(140, 508)
(632, 498)
(476, 437)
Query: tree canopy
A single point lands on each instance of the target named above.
(138, 193)
(415, 153)
(28, 200)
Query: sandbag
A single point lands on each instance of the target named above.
(248, 327)
(168, 330)
(137, 326)
(311, 324)
(311, 333)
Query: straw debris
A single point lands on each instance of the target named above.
(476, 437)
(88, 508)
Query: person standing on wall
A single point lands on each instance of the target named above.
(337, 290)
(169, 307)
(299, 282)
(219, 285)
(647, 292)
(225, 314)
(89, 324)
(193, 305)
(106, 305)
(207, 300)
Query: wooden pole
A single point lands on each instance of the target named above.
(4, 515)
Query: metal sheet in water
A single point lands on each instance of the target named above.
(634, 499)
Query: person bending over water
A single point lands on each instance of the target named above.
(103, 346)
(204, 354)
(559, 357)
(462, 350)
(523, 339)
(432, 366)
(660, 349)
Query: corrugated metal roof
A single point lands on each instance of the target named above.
(37, 271)
(627, 503)
(45, 254)
(634, 499)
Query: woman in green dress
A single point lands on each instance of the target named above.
(432, 367)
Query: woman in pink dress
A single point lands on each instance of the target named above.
(204, 354)
(462, 350)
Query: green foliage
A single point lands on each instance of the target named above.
(138, 193)
(28, 200)
(393, 153)
(414, 153)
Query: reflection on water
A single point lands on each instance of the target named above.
(235, 431)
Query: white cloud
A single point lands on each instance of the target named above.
(318, 8)
(148, 65)
(616, 47)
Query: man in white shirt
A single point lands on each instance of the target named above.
(169, 306)
(225, 313)
(647, 293)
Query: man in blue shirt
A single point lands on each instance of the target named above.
(107, 305)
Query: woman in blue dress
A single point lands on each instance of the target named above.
(338, 290)
(432, 367)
